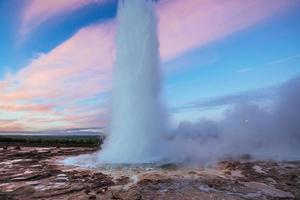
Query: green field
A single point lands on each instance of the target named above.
(50, 141)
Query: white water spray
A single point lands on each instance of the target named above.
(137, 132)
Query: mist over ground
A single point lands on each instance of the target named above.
(265, 132)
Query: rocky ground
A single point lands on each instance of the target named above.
(36, 173)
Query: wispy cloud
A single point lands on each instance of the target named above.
(11, 125)
(38, 12)
(273, 62)
(193, 23)
(25, 107)
(240, 71)
(256, 95)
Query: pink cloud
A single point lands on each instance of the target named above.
(193, 23)
(37, 11)
(25, 107)
(82, 62)
(11, 125)
(80, 67)
(94, 119)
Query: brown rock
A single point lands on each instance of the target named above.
(87, 191)
(122, 180)
(102, 190)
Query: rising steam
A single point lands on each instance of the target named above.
(247, 129)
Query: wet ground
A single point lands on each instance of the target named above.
(37, 173)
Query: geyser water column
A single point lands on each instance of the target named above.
(137, 131)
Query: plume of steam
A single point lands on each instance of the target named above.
(247, 129)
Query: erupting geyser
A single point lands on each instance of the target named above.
(137, 131)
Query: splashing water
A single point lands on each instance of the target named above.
(138, 122)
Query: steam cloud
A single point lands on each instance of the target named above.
(247, 129)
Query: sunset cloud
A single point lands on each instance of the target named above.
(7, 125)
(189, 24)
(75, 70)
(25, 107)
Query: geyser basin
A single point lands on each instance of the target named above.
(138, 125)
(30, 173)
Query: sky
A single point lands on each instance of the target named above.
(56, 58)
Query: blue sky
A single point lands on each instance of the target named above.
(49, 49)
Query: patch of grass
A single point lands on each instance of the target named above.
(49, 141)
